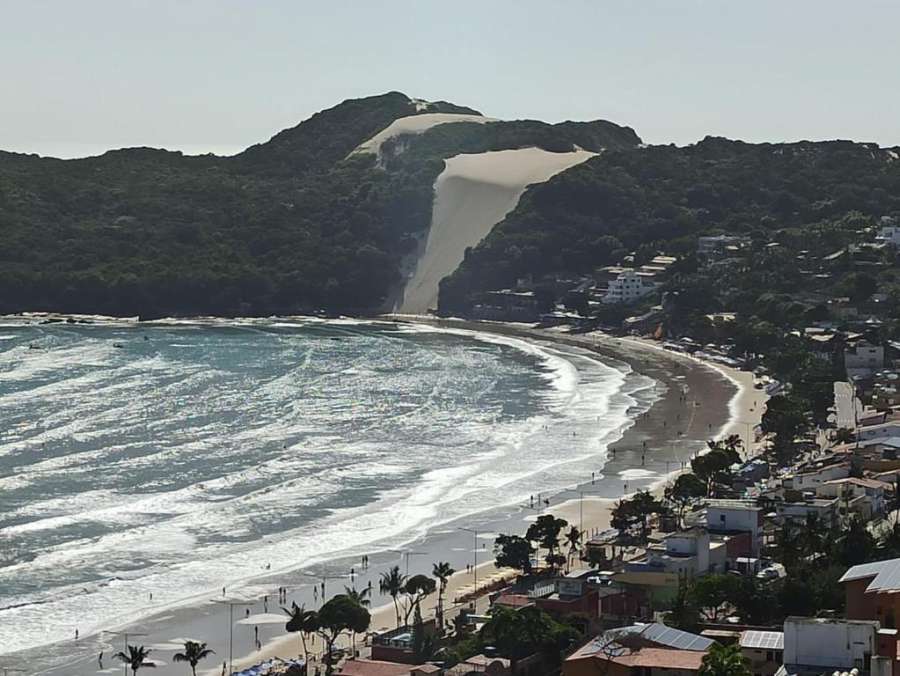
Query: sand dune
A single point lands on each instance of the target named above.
(472, 194)
(416, 124)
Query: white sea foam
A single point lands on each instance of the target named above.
(433, 441)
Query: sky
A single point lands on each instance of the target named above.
(82, 77)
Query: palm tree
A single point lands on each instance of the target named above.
(573, 537)
(302, 621)
(393, 583)
(134, 658)
(193, 653)
(443, 571)
(361, 597)
(724, 660)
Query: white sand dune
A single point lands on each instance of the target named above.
(472, 195)
(416, 124)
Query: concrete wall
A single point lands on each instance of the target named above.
(829, 643)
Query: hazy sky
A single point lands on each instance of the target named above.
(79, 77)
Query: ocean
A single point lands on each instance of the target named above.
(173, 458)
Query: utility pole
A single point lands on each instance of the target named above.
(125, 635)
(474, 558)
(231, 605)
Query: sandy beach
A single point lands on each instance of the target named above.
(472, 195)
(695, 402)
(589, 510)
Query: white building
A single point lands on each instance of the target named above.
(889, 234)
(824, 645)
(824, 509)
(861, 496)
(810, 480)
(736, 516)
(628, 287)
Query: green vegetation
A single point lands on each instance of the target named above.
(631, 516)
(663, 197)
(192, 654)
(296, 224)
(517, 634)
(135, 658)
(724, 660)
(513, 551)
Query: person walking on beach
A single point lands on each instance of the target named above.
(100, 659)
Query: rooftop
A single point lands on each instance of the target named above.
(364, 667)
(867, 483)
(763, 640)
(662, 658)
(886, 575)
(667, 636)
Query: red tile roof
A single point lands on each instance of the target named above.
(363, 667)
(659, 658)
(662, 658)
(512, 600)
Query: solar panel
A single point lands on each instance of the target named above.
(763, 640)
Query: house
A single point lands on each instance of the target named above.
(364, 667)
(864, 497)
(598, 658)
(396, 645)
(726, 517)
(682, 555)
(825, 510)
(811, 479)
(657, 635)
(763, 650)
(878, 431)
(568, 596)
(862, 359)
(628, 287)
(481, 664)
(889, 234)
(825, 646)
(872, 592)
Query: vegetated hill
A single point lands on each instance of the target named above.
(664, 196)
(295, 224)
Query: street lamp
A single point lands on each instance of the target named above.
(474, 557)
(231, 605)
(125, 634)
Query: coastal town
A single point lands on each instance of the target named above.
(773, 551)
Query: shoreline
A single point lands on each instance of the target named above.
(590, 513)
(593, 509)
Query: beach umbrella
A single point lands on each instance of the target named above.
(264, 618)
